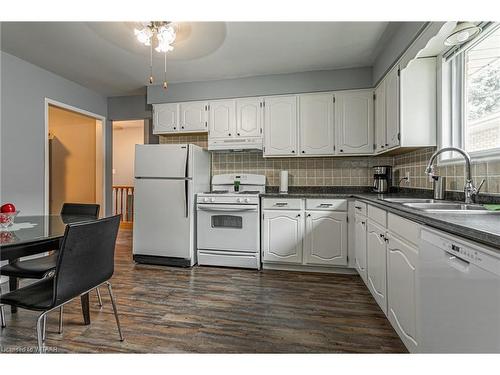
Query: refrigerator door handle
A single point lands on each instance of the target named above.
(186, 197)
(186, 166)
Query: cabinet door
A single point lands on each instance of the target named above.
(360, 245)
(380, 125)
(392, 108)
(376, 264)
(165, 118)
(283, 236)
(316, 124)
(401, 290)
(354, 122)
(193, 116)
(326, 238)
(222, 119)
(249, 117)
(280, 126)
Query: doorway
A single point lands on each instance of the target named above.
(75, 158)
(126, 134)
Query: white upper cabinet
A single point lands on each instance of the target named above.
(280, 126)
(282, 236)
(165, 118)
(405, 107)
(222, 119)
(316, 124)
(249, 117)
(354, 122)
(392, 108)
(193, 116)
(325, 240)
(380, 126)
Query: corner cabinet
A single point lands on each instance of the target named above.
(325, 240)
(354, 122)
(405, 107)
(280, 129)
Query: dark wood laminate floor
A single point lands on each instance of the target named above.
(217, 310)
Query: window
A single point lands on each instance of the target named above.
(474, 96)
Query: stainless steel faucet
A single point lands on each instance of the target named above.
(470, 189)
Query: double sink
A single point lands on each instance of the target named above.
(439, 206)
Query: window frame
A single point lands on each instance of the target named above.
(453, 97)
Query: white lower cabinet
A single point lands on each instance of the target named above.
(308, 232)
(325, 239)
(377, 263)
(283, 231)
(360, 245)
(401, 290)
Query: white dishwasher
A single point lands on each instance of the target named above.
(458, 298)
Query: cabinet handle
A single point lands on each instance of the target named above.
(279, 204)
(341, 150)
(387, 144)
(308, 215)
(381, 235)
(298, 215)
(293, 151)
(182, 126)
(358, 207)
(175, 128)
(238, 134)
(381, 146)
(362, 223)
(229, 134)
(303, 152)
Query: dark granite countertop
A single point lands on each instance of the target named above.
(482, 228)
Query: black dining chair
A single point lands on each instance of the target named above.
(40, 267)
(85, 261)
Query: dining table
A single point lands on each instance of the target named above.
(39, 234)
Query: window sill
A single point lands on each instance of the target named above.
(476, 158)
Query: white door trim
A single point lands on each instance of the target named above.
(58, 104)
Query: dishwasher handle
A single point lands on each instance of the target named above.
(456, 262)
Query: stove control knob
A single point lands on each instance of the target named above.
(205, 199)
(212, 200)
(247, 200)
(238, 200)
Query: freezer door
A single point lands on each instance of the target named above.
(161, 218)
(161, 161)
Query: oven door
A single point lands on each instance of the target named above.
(228, 227)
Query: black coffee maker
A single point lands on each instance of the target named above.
(382, 179)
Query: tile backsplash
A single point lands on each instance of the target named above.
(415, 162)
(343, 171)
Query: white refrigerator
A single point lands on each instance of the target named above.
(167, 178)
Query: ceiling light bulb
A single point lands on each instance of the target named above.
(144, 36)
(463, 32)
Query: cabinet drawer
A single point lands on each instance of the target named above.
(360, 208)
(378, 215)
(326, 204)
(282, 204)
(406, 229)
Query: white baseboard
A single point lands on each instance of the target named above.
(302, 268)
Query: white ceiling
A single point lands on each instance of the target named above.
(106, 57)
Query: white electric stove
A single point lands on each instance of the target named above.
(229, 221)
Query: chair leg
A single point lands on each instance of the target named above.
(98, 296)
(60, 319)
(39, 332)
(2, 316)
(110, 290)
(44, 325)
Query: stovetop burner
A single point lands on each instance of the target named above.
(232, 192)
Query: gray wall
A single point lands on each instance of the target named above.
(24, 88)
(133, 107)
(263, 85)
(394, 44)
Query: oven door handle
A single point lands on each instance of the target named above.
(226, 209)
